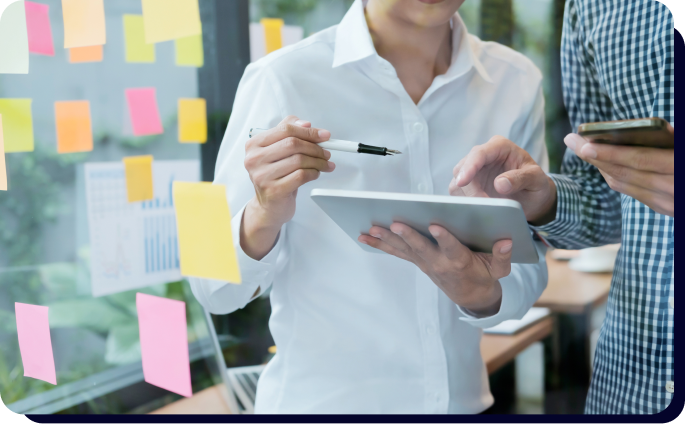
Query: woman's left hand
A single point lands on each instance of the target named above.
(469, 278)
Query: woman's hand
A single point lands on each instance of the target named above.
(470, 279)
(279, 161)
(646, 174)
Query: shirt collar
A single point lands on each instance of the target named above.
(353, 43)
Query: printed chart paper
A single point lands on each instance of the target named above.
(38, 27)
(203, 220)
(171, 19)
(74, 132)
(138, 171)
(192, 120)
(143, 110)
(14, 40)
(137, 50)
(33, 331)
(84, 23)
(133, 245)
(3, 168)
(258, 40)
(86, 54)
(164, 343)
(189, 51)
(18, 125)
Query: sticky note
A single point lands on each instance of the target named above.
(203, 223)
(84, 23)
(38, 28)
(17, 125)
(14, 40)
(74, 132)
(3, 168)
(138, 170)
(86, 54)
(164, 343)
(171, 19)
(137, 50)
(192, 120)
(142, 106)
(189, 51)
(272, 34)
(33, 331)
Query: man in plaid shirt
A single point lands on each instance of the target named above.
(617, 63)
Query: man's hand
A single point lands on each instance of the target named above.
(643, 173)
(501, 169)
(470, 279)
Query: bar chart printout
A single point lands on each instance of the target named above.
(133, 245)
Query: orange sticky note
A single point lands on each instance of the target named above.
(3, 169)
(192, 120)
(272, 33)
(85, 54)
(84, 23)
(74, 132)
(138, 171)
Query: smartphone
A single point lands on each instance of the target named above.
(648, 132)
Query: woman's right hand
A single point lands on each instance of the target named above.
(279, 162)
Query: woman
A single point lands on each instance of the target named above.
(360, 332)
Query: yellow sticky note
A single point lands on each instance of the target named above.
(171, 19)
(139, 178)
(3, 168)
(272, 33)
(192, 120)
(86, 54)
(84, 23)
(74, 132)
(203, 222)
(189, 51)
(137, 50)
(18, 125)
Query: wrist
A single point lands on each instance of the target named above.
(258, 232)
(487, 304)
(547, 212)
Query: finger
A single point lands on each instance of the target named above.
(290, 146)
(297, 179)
(529, 177)
(391, 239)
(650, 181)
(500, 265)
(291, 164)
(450, 246)
(420, 245)
(479, 157)
(382, 246)
(287, 128)
(662, 203)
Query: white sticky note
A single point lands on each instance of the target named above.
(14, 40)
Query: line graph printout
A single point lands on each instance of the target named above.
(133, 245)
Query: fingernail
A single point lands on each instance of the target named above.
(571, 141)
(589, 151)
(326, 154)
(503, 185)
(301, 123)
(378, 236)
(398, 232)
(435, 233)
(506, 248)
(459, 177)
(363, 242)
(324, 134)
(331, 166)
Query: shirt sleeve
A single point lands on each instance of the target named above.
(588, 210)
(256, 106)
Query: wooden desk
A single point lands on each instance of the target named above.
(498, 350)
(208, 401)
(573, 292)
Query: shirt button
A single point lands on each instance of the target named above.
(671, 303)
(418, 127)
(669, 386)
(543, 233)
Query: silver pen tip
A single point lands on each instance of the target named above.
(393, 152)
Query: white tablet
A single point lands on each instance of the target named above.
(476, 222)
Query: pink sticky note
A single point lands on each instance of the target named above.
(38, 28)
(142, 106)
(33, 330)
(164, 343)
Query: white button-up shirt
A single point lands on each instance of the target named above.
(360, 332)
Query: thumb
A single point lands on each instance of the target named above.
(528, 178)
(501, 259)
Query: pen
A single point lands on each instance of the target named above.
(346, 146)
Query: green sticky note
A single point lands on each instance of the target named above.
(137, 50)
(14, 40)
(189, 51)
(17, 124)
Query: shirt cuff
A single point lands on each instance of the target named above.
(511, 303)
(566, 220)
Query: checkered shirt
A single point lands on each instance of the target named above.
(617, 63)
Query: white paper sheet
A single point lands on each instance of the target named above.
(133, 245)
(14, 40)
(513, 326)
